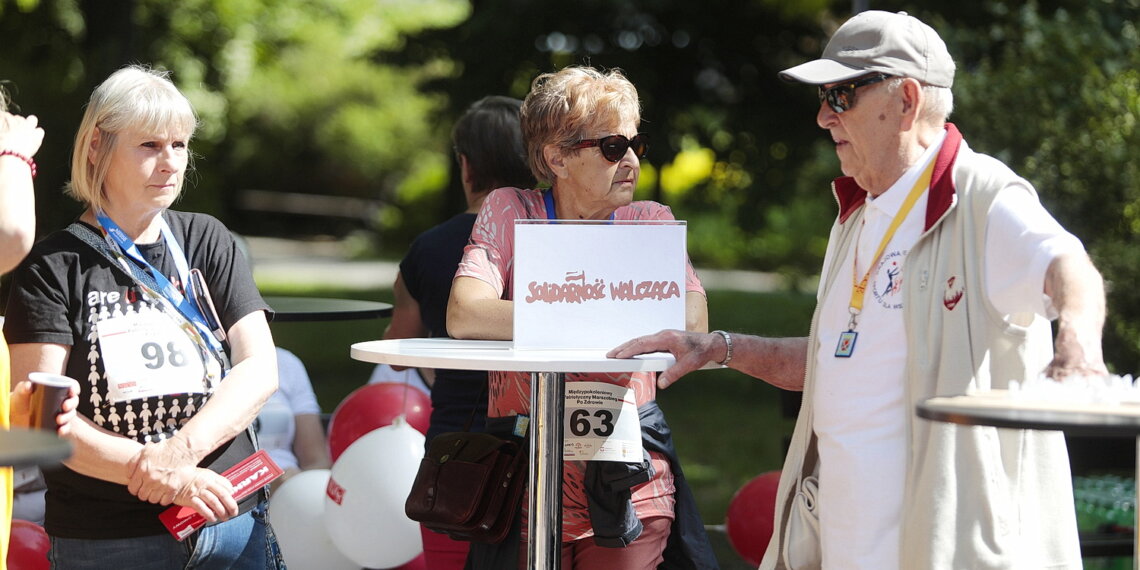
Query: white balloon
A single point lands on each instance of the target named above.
(297, 515)
(364, 501)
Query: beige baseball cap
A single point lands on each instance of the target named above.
(896, 44)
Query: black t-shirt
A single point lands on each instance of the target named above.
(60, 293)
(428, 269)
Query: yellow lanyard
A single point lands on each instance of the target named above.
(858, 289)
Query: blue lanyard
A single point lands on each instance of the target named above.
(548, 197)
(125, 244)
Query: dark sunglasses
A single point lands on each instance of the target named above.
(842, 97)
(613, 147)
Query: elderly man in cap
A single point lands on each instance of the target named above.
(941, 275)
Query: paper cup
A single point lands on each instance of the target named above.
(48, 393)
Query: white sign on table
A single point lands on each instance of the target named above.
(595, 285)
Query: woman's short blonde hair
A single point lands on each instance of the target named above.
(569, 105)
(134, 97)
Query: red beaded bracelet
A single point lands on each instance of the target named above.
(27, 159)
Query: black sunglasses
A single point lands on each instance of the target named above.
(613, 147)
(842, 97)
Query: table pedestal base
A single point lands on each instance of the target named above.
(544, 525)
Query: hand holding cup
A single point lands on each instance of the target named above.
(52, 396)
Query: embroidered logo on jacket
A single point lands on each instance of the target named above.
(888, 281)
(955, 290)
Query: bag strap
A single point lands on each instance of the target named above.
(92, 239)
(475, 408)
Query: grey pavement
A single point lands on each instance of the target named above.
(325, 262)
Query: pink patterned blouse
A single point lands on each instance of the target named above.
(489, 257)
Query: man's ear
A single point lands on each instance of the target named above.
(554, 158)
(912, 98)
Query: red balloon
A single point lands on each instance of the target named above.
(374, 406)
(28, 548)
(748, 521)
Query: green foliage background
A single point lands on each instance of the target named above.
(1057, 96)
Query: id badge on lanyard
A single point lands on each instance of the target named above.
(121, 245)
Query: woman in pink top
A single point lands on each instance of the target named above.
(580, 127)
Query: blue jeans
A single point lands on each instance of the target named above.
(244, 542)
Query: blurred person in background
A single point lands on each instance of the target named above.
(155, 312)
(489, 148)
(580, 127)
(289, 425)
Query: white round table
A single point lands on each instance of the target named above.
(548, 370)
(21, 447)
(995, 408)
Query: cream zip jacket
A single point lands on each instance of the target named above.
(975, 497)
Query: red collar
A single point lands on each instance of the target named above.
(851, 196)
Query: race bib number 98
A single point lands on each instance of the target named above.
(601, 423)
(148, 354)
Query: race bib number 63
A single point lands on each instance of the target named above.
(601, 423)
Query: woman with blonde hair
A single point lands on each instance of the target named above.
(155, 312)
